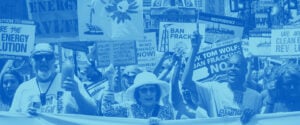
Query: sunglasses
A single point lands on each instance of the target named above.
(47, 57)
(147, 89)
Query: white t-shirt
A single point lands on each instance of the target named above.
(218, 100)
(29, 92)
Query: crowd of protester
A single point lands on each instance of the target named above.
(166, 93)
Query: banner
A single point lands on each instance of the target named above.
(212, 63)
(173, 35)
(16, 38)
(220, 28)
(110, 20)
(146, 51)
(260, 43)
(290, 118)
(119, 53)
(56, 20)
(285, 42)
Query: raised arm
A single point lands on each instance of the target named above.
(188, 71)
(176, 97)
(158, 66)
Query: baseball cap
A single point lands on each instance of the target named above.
(42, 48)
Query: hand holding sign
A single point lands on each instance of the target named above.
(196, 40)
(67, 73)
(110, 73)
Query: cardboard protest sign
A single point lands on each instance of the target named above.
(56, 20)
(285, 42)
(16, 38)
(119, 53)
(211, 63)
(146, 51)
(220, 28)
(173, 35)
(110, 20)
(260, 43)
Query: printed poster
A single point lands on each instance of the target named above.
(110, 20)
(174, 35)
(146, 51)
(260, 43)
(55, 20)
(16, 38)
(285, 42)
(119, 53)
(219, 28)
(211, 64)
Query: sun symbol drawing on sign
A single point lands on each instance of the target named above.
(120, 9)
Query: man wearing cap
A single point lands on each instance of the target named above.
(47, 93)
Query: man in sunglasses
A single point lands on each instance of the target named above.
(47, 93)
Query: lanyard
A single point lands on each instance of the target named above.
(43, 95)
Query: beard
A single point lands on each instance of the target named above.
(44, 76)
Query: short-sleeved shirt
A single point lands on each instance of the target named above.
(28, 93)
(219, 100)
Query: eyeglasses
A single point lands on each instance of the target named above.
(147, 89)
(47, 57)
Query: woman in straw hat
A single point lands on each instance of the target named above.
(146, 94)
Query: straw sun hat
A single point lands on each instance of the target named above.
(147, 78)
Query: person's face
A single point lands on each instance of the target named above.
(167, 63)
(44, 65)
(148, 95)
(10, 85)
(290, 86)
(270, 84)
(82, 73)
(254, 75)
(187, 96)
(236, 70)
(128, 80)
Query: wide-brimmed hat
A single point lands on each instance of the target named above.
(42, 48)
(146, 78)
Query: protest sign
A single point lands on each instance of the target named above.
(119, 53)
(173, 35)
(285, 42)
(110, 20)
(288, 118)
(220, 28)
(211, 63)
(56, 20)
(260, 43)
(16, 37)
(146, 51)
